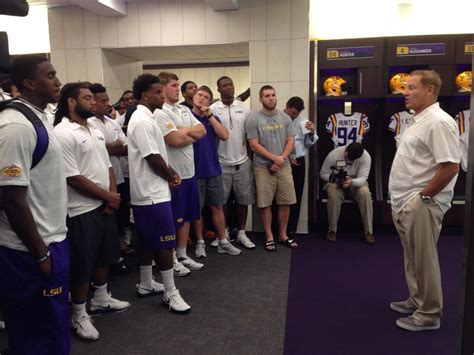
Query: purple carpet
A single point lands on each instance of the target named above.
(339, 295)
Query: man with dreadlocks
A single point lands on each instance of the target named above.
(92, 200)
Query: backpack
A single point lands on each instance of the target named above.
(42, 140)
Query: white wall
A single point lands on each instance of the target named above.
(369, 18)
(28, 34)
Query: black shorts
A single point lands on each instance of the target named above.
(94, 242)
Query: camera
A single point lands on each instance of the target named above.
(338, 175)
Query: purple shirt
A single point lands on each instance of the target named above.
(206, 160)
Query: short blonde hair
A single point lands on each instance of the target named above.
(165, 77)
(429, 77)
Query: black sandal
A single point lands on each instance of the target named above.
(289, 243)
(270, 245)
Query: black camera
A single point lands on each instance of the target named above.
(338, 175)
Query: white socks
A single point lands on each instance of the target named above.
(79, 310)
(100, 293)
(146, 275)
(168, 280)
(181, 253)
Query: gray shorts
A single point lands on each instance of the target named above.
(211, 191)
(239, 178)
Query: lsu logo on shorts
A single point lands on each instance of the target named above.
(53, 292)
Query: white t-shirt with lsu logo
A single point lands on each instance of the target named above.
(84, 154)
(46, 193)
(171, 118)
(232, 151)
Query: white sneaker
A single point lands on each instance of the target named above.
(190, 263)
(215, 242)
(155, 289)
(200, 250)
(244, 240)
(84, 328)
(110, 304)
(228, 248)
(175, 302)
(2, 325)
(179, 269)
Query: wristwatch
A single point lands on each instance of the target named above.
(426, 199)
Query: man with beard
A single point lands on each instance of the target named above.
(235, 162)
(271, 136)
(33, 203)
(151, 178)
(92, 200)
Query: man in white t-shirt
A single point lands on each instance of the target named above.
(150, 180)
(92, 200)
(421, 186)
(235, 163)
(34, 255)
(180, 130)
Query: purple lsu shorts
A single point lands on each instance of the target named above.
(36, 308)
(155, 226)
(185, 202)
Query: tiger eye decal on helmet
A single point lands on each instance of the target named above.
(464, 81)
(332, 86)
(399, 83)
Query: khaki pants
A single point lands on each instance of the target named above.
(361, 195)
(419, 225)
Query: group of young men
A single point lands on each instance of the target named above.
(63, 183)
(59, 196)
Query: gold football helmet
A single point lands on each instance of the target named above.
(464, 81)
(332, 86)
(398, 83)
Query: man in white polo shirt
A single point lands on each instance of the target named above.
(34, 252)
(421, 185)
(235, 162)
(150, 180)
(92, 200)
(116, 144)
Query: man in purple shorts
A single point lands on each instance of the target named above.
(150, 180)
(34, 252)
(180, 130)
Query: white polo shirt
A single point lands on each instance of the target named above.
(84, 154)
(173, 118)
(46, 194)
(112, 131)
(431, 139)
(145, 138)
(232, 151)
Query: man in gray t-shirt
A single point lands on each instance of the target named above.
(271, 136)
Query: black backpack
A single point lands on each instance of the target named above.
(42, 141)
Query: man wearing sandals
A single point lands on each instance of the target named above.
(271, 136)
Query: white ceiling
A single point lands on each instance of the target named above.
(187, 54)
